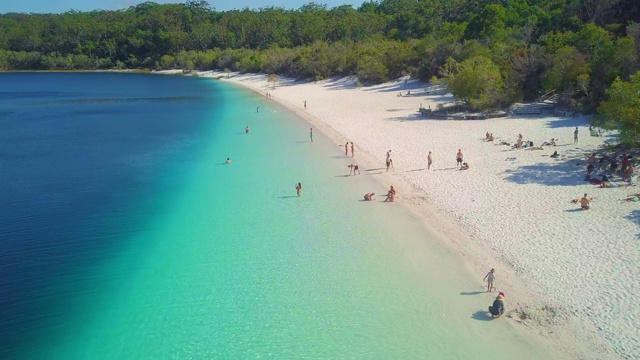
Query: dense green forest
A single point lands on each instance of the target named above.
(489, 52)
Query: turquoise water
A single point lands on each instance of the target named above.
(213, 260)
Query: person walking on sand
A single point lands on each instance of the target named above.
(352, 150)
(346, 149)
(429, 160)
(298, 188)
(305, 104)
(311, 134)
(575, 135)
(459, 158)
(490, 277)
(354, 168)
(246, 130)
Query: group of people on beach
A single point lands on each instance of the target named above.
(346, 149)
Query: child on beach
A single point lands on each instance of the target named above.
(490, 277)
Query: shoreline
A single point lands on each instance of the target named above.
(564, 330)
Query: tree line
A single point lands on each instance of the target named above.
(490, 53)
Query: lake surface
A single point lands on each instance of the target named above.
(124, 234)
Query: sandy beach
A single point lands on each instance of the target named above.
(571, 275)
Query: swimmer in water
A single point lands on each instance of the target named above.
(228, 161)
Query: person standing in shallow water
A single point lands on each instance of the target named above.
(346, 149)
(352, 150)
(311, 134)
(305, 104)
(575, 135)
(246, 130)
(298, 189)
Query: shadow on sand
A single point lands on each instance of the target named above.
(634, 216)
(482, 315)
(472, 292)
(562, 173)
(287, 197)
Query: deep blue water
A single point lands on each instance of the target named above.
(78, 152)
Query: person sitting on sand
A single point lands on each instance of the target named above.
(497, 309)
(605, 183)
(585, 202)
(465, 166)
(491, 138)
(369, 196)
(354, 168)
(228, 161)
(554, 155)
(391, 195)
(486, 136)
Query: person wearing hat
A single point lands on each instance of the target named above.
(497, 309)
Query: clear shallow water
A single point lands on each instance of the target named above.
(148, 246)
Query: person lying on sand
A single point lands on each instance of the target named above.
(549, 143)
(369, 196)
(632, 198)
(535, 148)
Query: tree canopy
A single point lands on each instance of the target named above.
(503, 50)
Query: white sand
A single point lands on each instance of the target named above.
(574, 273)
